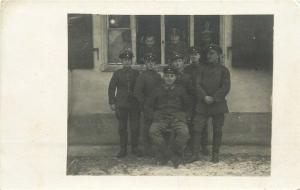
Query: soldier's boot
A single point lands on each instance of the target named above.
(204, 142)
(196, 149)
(137, 152)
(215, 157)
(217, 138)
(122, 153)
(123, 144)
(177, 155)
(163, 154)
(134, 143)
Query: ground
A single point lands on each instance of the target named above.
(234, 161)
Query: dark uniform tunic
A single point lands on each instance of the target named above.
(212, 80)
(192, 70)
(145, 84)
(169, 108)
(120, 93)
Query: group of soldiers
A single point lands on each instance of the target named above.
(175, 107)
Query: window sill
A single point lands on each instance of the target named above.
(113, 68)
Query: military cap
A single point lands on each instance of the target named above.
(176, 55)
(194, 50)
(170, 70)
(126, 54)
(149, 57)
(175, 31)
(215, 47)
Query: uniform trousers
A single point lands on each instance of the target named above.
(200, 122)
(166, 125)
(131, 115)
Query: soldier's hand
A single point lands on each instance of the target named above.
(113, 107)
(209, 99)
(188, 119)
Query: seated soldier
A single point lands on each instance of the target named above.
(169, 106)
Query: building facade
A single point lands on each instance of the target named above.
(94, 42)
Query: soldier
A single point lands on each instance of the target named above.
(192, 70)
(183, 79)
(176, 44)
(125, 105)
(168, 106)
(149, 46)
(213, 84)
(145, 84)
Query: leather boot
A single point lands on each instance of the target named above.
(204, 141)
(196, 148)
(215, 157)
(122, 153)
(137, 152)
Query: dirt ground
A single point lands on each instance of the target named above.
(234, 161)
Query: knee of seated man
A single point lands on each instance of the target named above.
(154, 129)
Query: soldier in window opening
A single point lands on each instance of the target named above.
(169, 107)
(146, 82)
(192, 70)
(213, 84)
(149, 45)
(176, 44)
(125, 105)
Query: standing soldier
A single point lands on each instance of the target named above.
(192, 70)
(185, 80)
(145, 84)
(169, 107)
(213, 84)
(122, 101)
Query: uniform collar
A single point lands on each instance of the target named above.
(167, 87)
(127, 68)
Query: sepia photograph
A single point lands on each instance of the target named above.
(169, 95)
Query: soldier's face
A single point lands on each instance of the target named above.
(175, 38)
(150, 65)
(213, 56)
(150, 41)
(195, 57)
(178, 64)
(126, 62)
(169, 78)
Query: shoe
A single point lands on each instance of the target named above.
(176, 161)
(205, 151)
(122, 153)
(215, 158)
(137, 152)
(193, 158)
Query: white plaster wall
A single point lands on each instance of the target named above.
(250, 91)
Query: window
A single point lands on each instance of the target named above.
(159, 34)
(80, 42)
(119, 37)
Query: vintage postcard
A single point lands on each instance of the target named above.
(149, 95)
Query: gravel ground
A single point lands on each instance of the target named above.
(234, 161)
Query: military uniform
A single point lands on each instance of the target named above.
(169, 106)
(181, 47)
(120, 94)
(192, 70)
(213, 80)
(146, 82)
